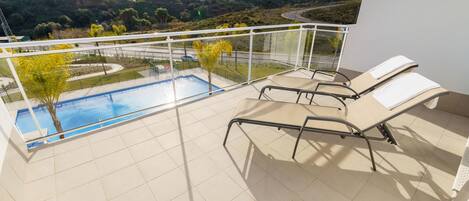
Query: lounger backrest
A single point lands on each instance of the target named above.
(367, 111)
(368, 80)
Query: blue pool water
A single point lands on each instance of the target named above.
(76, 113)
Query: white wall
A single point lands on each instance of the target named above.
(435, 33)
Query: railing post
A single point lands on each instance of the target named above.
(173, 80)
(251, 41)
(342, 48)
(312, 47)
(23, 93)
(299, 47)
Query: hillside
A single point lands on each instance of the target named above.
(25, 15)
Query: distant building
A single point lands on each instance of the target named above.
(4, 39)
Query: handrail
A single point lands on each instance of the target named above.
(154, 35)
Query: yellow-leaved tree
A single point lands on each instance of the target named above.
(208, 55)
(44, 78)
(97, 30)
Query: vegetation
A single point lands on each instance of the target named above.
(344, 14)
(25, 16)
(44, 77)
(208, 55)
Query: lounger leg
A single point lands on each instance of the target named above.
(299, 96)
(371, 153)
(262, 92)
(228, 131)
(297, 142)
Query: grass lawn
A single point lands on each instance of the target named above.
(240, 73)
(4, 70)
(226, 70)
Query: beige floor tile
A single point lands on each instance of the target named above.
(195, 130)
(244, 196)
(219, 188)
(70, 145)
(398, 186)
(272, 190)
(200, 169)
(156, 166)
(185, 153)
(121, 181)
(209, 142)
(145, 149)
(132, 125)
(162, 127)
(183, 119)
(372, 193)
(39, 169)
(102, 135)
(203, 113)
(292, 176)
(154, 119)
(172, 139)
(73, 158)
(40, 190)
(76, 176)
(246, 176)
(170, 185)
(107, 146)
(192, 195)
(112, 162)
(136, 136)
(141, 193)
(41, 154)
(90, 192)
(319, 191)
(4, 195)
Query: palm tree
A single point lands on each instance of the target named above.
(335, 42)
(45, 77)
(208, 55)
(97, 30)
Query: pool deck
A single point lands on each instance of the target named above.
(178, 155)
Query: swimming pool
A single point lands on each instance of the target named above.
(87, 110)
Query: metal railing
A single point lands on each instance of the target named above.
(307, 35)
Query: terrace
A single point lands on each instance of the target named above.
(149, 129)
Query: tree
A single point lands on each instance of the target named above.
(44, 77)
(208, 55)
(162, 15)
(16, 19)
(65, 21)
(185, 43)
(97, 31)
(236, 42)
(44, 29)
(335, 42)
(118, 29)
(129, 17)
(83, 17)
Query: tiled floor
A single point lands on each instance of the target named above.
(178, 155)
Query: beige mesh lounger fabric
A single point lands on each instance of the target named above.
(352, 89)
(350, 121)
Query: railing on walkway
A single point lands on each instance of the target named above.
(146, 59)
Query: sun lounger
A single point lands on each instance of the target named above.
(349, 120)
(352, 89)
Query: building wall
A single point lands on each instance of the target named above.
(13, 157)
(434, 33)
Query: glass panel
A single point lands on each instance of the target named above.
(326, 52)
(274, 53)
(94, 86)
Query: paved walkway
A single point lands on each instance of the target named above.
(114, 68)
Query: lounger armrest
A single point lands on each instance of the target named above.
(356, 95)
(325, 72)
(331, 119)
(320, 93)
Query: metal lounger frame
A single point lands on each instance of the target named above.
(355, 131)
(345, 85)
